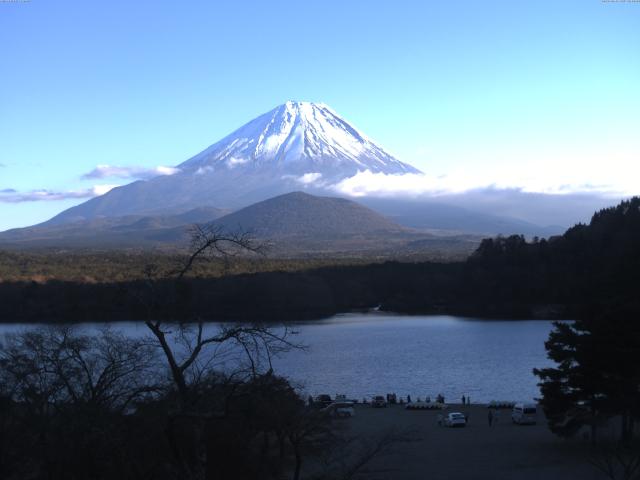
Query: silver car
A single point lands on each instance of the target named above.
(455, 419)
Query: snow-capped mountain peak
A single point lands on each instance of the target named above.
(297, 138)
(298, 145)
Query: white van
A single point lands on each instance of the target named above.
(524, 413)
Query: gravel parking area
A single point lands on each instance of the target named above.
(477, 451)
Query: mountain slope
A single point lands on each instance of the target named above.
(300, 214)
(296, 145)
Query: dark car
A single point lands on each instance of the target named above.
(323, 400)
(378, 401)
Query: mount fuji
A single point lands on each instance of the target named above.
(296, 145)
(246, 181)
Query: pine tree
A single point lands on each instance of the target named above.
(597, 375)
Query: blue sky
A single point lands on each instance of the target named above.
(541, 95)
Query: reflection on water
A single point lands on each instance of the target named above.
(365, 354)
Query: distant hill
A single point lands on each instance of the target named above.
(112, 232)
(293, 225)
(301, 214)
(196, 215)
(431, 215)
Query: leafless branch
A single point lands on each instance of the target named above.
(212, 239)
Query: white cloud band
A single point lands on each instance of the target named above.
(141, 173)
(9, 195)
(367, 183)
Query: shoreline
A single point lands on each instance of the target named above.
(302, 320)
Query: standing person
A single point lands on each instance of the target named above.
(468, 400)
(464, 400)
(490, 417)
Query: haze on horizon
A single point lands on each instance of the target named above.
(499, 97)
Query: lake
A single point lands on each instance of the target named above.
(367, 354)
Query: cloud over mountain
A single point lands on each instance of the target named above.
(10, 195)
(368, 183)
(140, 173)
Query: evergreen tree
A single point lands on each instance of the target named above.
(597, 375)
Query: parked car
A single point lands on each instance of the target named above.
(524, 413)
(378, 401)
(343, 409)
(455, 419)
(323, 400)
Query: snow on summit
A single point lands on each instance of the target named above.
(298, 138)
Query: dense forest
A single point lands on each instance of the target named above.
(506, 277)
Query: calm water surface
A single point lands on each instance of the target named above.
(366, 354)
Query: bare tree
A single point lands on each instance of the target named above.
(183, 343)
(51, 366)
(65, 396)
(193, 350)
(212, 240)
(257, 343)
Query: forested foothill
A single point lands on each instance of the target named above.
(506, 277)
